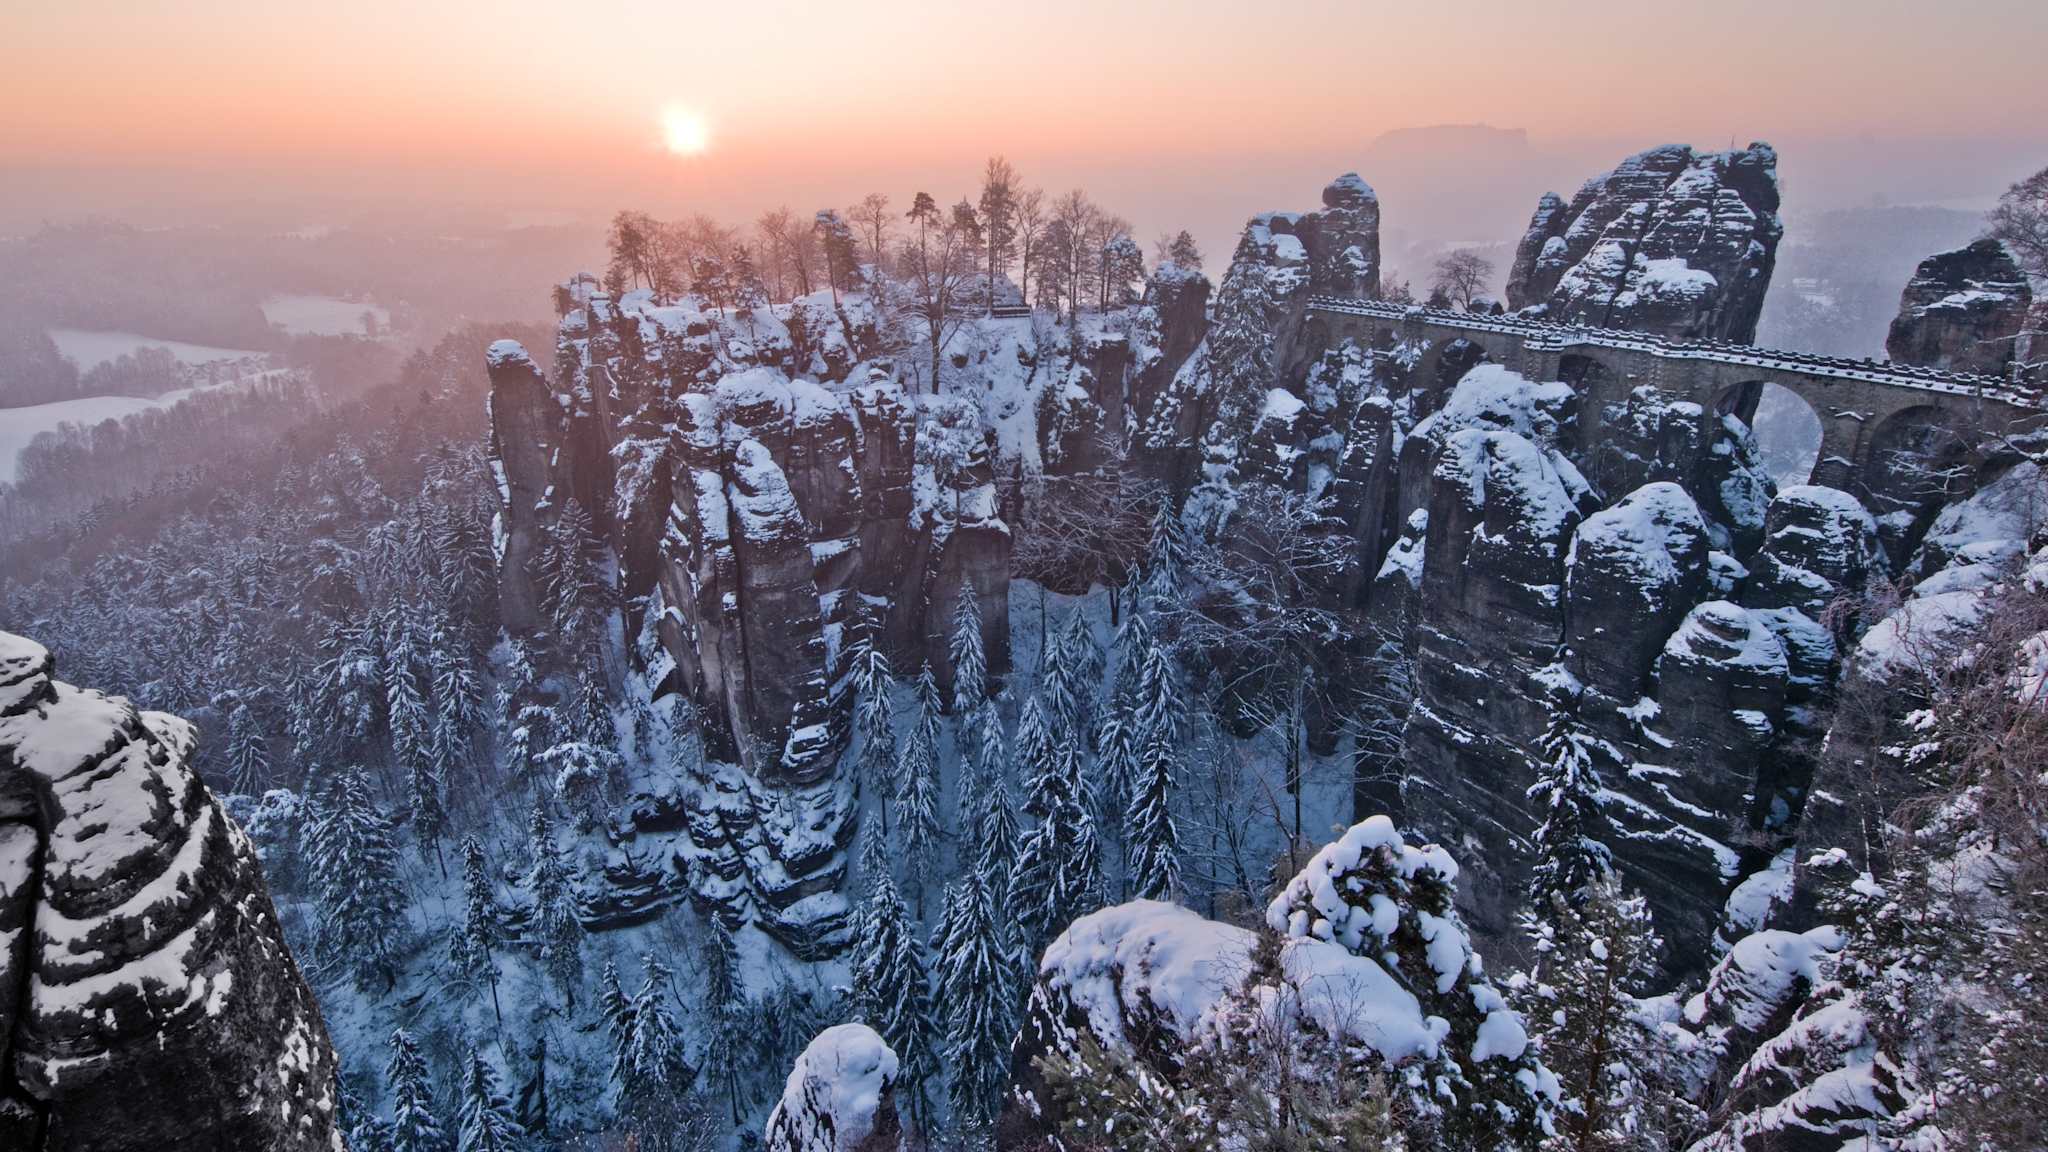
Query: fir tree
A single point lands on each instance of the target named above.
(1058, 875)
(978, 987)
(414, 1125)
(349, 848)
(1061, 688)
(1154, 837)
(248, 751)
(723, 1048)
(1166, 554)
(411, 724)
(1594, 953)
(470, 947)
(557, 930)
(649, 1067)
(614, 1006)
(970, 660)
(876, 723)
(429, 818)
(1117, 766)
(487, 1123)
(892, 990)
(1566, 793)
(917, 786)
(590, 715)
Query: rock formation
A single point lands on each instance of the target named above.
(1963, 311)
(149, 1001)
(1672, 241)
(773, 506)
(839, 1097)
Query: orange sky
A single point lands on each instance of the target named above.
(553, 82)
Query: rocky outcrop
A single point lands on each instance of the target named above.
(840, 1096)
(1672, 241)
(1963, 311)
(147, 999)
(771, 505)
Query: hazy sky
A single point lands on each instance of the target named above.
(827, 99)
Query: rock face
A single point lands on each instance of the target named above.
(1963, 311)
(1671, 241)
(147, 999)
(771, 504)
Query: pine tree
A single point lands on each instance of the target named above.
(649, 1067)
(361, 906)
(557, 930)
(248, 751)
(411, 724)
(892, 990)
(414, 1125)
(470, 947)
(876, 723)
(1154, 837)
(590, 715)
(1061, 689)
(978, 985)
(1058, 875)
(487, 1123)
(1117, 766)
(1166, 554)
(723, 1048)
(614, 1006)
(429, 817)
(1593, 955)
(970, 661)
(1158, 708)
(917, 786)
(1566, 793)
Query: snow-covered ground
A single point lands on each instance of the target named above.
(19, 426)
(89, 348)
(321, 315)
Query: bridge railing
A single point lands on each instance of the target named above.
(1550, 336)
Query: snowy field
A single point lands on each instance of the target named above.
(18, 426)
(90, 348)
(321, 315)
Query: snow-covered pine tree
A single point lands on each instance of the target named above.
(979, 993)
(1566, 792)
(1592, 957)
(653, 1076)
(1166, 554)
(575, 593)
(726, 1038)
(1116, 767)
(964, 648)
(1160, 708)
(1059, 869)
(993, 818)
(614, 1006)
(349, 848)
(1061, 688)
(557, 930)
(414, 1125)
(412, 725)
(892, 991)
(874, 719)
(469, 948)
(429, 816)
(1084, 660)
(917, 787)
(1154, 837)
(248, 752)
(487, 1122)
(590, 714)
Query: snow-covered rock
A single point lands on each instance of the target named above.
(1671, 241)
(840, 1095)
(147, 999)
(1962, 311)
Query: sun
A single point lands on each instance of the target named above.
(685, 130)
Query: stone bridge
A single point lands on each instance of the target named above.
(1869, 410)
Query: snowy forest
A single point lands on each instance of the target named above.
(957, 676)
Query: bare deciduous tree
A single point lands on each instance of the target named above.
(1462, 275)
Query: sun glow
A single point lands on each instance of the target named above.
(685, 130)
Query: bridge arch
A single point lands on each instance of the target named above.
(1786, 426)
(1917, 458)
